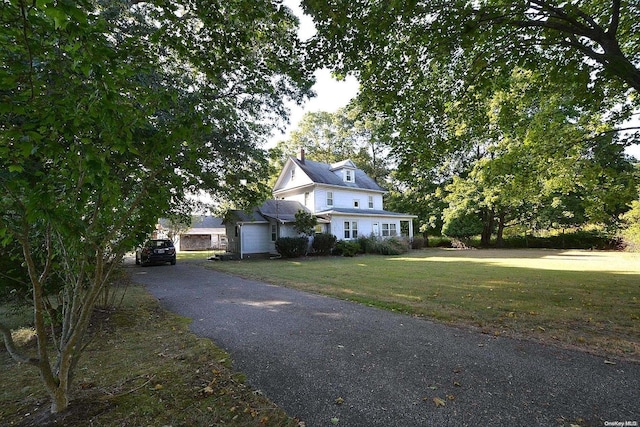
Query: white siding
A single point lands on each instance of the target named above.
(366, 225)
(298, 179)
(345, 198)
(300, 198)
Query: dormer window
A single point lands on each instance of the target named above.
(348, 175)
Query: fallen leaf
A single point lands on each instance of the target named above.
(451, 397)
(339, 401)
(609, 362)
(158, 387)
(438, 401)
(335, 420)
(457, 384)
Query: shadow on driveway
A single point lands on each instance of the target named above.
(307, 353)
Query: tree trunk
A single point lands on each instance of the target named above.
(487, 227)
(59, 400)
(499, 238)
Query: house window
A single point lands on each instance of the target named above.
(351, 230)
(306, 199)
(356, 203)
(370, 202)
(329, 198)
(348, 175)
(293, 173)
(389, 230)
(274, 232)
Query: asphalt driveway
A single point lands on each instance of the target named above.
(330, 362)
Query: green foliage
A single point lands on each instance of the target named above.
(462, 225)
(631, 228)
(499, 95)
(440, 242)
(346, 248)
(418, 242)
(292, 247)
(391, 246)
(324, 243)
(111, 114)
(305, 223)
(382, 246)
(14, 282)
(591, 240)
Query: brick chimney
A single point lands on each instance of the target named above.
(301, 155)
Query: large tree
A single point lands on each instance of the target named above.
(435, 69)
(426, 63)
(111, 112)
(545, 162)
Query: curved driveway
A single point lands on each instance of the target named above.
(308, 352)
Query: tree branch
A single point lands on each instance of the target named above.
(615, 19)
(11, 347)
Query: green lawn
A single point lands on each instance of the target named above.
(587, 299)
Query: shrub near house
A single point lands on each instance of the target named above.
(292, 247)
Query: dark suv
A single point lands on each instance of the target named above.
(156, 251)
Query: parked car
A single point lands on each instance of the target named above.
(156, 251)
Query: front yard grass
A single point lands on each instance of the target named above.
(580, 299)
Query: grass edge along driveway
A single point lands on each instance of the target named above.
(578, 299)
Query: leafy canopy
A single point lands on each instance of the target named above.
(111, 113)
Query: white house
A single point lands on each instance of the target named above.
(342, 194)
(347, 202)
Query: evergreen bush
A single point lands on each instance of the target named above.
(324, 243)
(292, 247)
(418, 242)
(346, 248)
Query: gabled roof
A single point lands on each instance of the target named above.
(279, 210)
(206, 221)
(282, 210)
(322, 173)
(244, 216)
